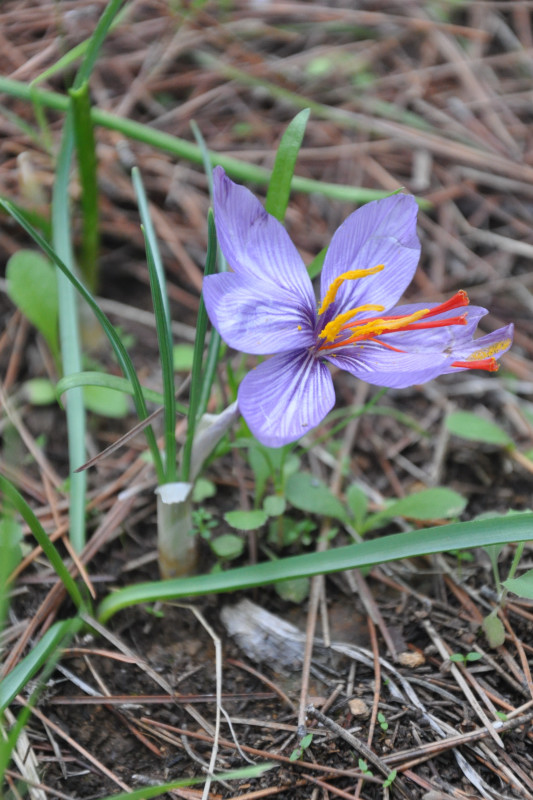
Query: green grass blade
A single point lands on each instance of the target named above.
(163, 326)
(68, 308)
(456, 536)
(279, 187)
(87, 169)
(96, 41)
(155, 791)
(69, 336)
(201, 381)
(37, 658)
(43, 657)
(17, 501)
(181, 148)
(120, 351)
(68, 59)
(215, 340)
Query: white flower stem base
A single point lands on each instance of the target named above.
(178, 547)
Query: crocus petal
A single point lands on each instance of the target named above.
(383, 367)
(254, 243)
(381, 232)
(285, 397)
(493, 345)
(253, 320)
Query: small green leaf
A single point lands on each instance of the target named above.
(32, 286)
(203, 489)
(246, 520)
(493, 629)
(40, 391)
(502, 716)
(357, 503)
(383, 724)
(274, 505)
(522, 586)
(390, 778)
(227, 546)
(279, 187)
(437, 503)
(477, 429)
(183, 356)
(306, 741)
(261, 467)
(474, 656)
(294, 591)
(315, 267)
(457, 658)
(106, 402)
(319, 66)
(307, 493)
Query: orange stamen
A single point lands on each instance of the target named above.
(488, 364)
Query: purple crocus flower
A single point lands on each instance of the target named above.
(267, 305)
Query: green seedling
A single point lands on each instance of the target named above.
(459, 658)
(363, 766)
(298, 752)
(382, 720)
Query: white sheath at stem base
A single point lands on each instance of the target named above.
(177, 545)
(176, 542)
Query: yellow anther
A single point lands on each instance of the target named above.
(346, 276)
(332, 329)
(489, 351)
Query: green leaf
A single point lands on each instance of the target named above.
(438, 503)
(114, 382)
(274, 505)
(383, 549)
(494, 629)
(10, 555)
(146, 792)
(106, 402)
(203, 489)
(18, 678)
(201, 379)
(294, 591)
(477, 429)
(306, 741)
(315, 267)
(357, 503)
(32, 286)
(163, 324)
(246, 520)
(457, 658)
(309, 494)
(183, 357)
(83, 128)
(474, 656)
(13, 496)
(522, 586)
(227, 546)
(261, 467)
(279, 187)
(390, 778)
(40, 391)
